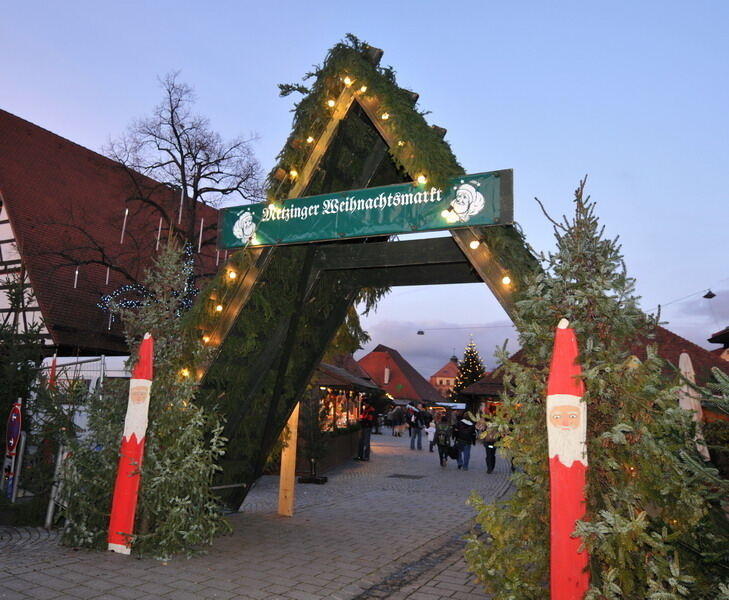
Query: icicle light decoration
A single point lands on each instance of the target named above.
(182, 198)
(159, 233)
(107, 275)
(75, 279)
(199, 241)
(124, 225)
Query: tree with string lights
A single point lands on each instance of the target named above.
(470, 370)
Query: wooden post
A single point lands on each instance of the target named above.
(287, 480)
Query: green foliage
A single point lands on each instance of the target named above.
(423, 151)
(470, 370)
(21, 347)
(654, 525)
(177, 511)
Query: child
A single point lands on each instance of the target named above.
(430, 434)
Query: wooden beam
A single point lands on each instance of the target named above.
(487, 266)
(322, 144)
(443, 250)
(287, 479)
(415, 275)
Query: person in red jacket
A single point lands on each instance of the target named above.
(366, 421)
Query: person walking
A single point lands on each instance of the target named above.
(464, 433)
(416, 427)
(366, 420)
(442, 437)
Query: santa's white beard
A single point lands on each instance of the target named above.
(567, 444)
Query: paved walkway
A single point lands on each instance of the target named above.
(388, 528)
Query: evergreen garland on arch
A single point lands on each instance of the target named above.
(423, 150)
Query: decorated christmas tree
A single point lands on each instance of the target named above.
(654, 525)
(470, 370)
(177, 511)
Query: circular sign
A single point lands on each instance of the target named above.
(15, 421)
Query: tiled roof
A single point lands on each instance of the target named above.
(450, 369)
(669, 346)
(405, 382)
(66, 206)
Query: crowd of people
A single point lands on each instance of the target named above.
(452, 432)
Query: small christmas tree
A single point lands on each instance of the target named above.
(654, 525)
(177, 511)
(470, 370)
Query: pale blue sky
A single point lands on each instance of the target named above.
(633, 93)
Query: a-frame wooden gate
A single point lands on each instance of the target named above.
(287, 302)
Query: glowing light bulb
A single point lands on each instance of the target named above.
(293, 173)
(506, 280)
(474, 244)
(400, 143)
(331, 103)
(309, 140)
(185, 372)
(347, 81)
(205, 339)
(219, 308)
(363, 89)
(232, 274)
(385, 116)
(422, 179)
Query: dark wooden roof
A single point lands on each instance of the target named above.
(332, 376)
(66, 207)
(721, 337)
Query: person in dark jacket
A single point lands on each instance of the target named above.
(464, 432)
(416, 423)
(442, 437)
(366, 421)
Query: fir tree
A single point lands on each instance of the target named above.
(470, 370)
(654, 526)
(177, 512)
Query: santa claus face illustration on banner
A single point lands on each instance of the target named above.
(567, 423)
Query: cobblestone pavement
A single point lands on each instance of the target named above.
(368, 533)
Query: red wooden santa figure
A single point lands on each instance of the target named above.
(126, 488)
(566, 433)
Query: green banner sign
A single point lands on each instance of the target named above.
(470, 200)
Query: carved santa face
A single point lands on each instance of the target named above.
(139, 394)
(567, 428)
(565, 416)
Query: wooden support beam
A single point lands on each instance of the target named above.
(430, 251)
(287, 479)
(487, 266)
(415, 275)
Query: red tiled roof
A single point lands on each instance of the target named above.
(450, 369)
(66, 205)
(669, 346)
(405, 382)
